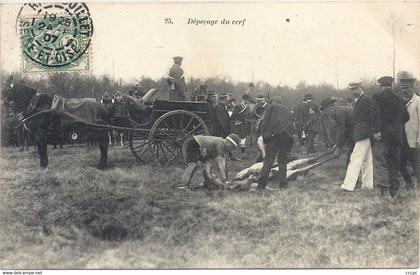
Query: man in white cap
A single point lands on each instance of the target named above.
(206, 149)
(176, 81)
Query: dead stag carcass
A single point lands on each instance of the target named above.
(247, 178)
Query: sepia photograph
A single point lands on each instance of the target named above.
(221, 135)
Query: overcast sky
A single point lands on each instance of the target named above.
(320, 39)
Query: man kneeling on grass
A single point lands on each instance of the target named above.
(206, 149)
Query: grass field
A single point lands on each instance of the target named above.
(73, 216)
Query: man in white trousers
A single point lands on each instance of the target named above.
(366, 123)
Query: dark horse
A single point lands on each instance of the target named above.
(36, 108)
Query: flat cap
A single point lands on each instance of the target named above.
(386, 81)
(355, 85)
(308, 97)
(224, 96)
(249, 98)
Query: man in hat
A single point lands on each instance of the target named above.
(220, 117)
(393, 116)
(301, 119)
(277, 133)
(206, 149)
(239, 118)
(224, 99)
(410, 151)
(340, 118)
(138, 91)
(251, 90)
(120, 115)
(312, 124)
(365, 125)
(259, 110)
(176, 81)
(108, 101)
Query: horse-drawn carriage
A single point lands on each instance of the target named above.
(169, 123)
(156, 128)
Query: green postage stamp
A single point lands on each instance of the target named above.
(55, 37)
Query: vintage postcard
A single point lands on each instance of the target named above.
(209, 135)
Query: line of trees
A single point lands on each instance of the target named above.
(88, 85)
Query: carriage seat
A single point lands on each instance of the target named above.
(150, 96)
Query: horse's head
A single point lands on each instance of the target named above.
(17, 96)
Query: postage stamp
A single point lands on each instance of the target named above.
(55, 37)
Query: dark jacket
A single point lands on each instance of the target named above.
(239, 121)
(178, 74)
(277, 119)
(220, 121)
(393, 115)
(366, 119)
(344, 124)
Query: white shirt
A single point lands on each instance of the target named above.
(412, 127)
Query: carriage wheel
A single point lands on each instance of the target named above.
(170, 131)
(139, 145)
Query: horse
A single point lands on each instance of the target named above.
(36, 108)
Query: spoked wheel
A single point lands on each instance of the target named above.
(139, 145)
(170, 131)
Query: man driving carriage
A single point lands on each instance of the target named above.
(176, 81)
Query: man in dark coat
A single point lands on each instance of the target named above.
(277, 133)
(239, 118)
(365, 127)
(410, 152)
(220, 117)
(176, 81)
(393, 116)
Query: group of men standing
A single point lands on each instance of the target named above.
(383, 134)
(383, 130)
(387, 123)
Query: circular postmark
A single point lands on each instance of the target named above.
(55, 35)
